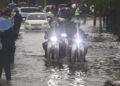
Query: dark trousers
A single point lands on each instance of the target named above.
(6, 68)
(17, 28)
(5, 63)
(12, 53)
(45, 47)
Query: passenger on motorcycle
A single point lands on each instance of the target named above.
(67, 22)
(66, 25)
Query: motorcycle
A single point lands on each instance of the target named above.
(53, 45)
(63, 44)
(78, 48)
(53, 49)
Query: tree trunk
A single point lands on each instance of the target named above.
(104, 21)
(117, 6)
(118, 23)
(94, 19)
(100, 24)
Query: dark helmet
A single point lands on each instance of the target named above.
(16, 10)
(65, 12)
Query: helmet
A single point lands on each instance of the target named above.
(74, 5)
(16, 10)
(64, 12)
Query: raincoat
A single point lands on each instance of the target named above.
(77, 11)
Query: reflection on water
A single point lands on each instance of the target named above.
(78, 79)
(5, 83)
(66, 75)
(99, 38)
(84, 74)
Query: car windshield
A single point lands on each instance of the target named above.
(37, 17)
(30, 10)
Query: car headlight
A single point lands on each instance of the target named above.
(64, 35)
(54, 39)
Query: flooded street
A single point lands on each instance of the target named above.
(31, 68)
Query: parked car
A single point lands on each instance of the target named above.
(37, 21)
(24, 11)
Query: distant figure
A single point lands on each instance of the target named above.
(17, 21)
(77, 12)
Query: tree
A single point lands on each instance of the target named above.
(115, 4)
(3, 3)
(100, 6)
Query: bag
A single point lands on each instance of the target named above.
(0, 45)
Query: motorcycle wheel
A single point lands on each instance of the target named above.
(75, 56)
(52, 54)
(48, 54)
(55, 54)
(84, 52)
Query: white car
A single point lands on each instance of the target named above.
(35, 21)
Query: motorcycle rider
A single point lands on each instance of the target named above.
(62, 23)
(66, 24)
(49, 33)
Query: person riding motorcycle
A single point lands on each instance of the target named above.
(62, 19)
(65, 24)
(48, 34)
(68, 23)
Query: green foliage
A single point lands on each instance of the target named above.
(99, 4)
(102, 4)
(3, 3)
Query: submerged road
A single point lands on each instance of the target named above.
(31, 68)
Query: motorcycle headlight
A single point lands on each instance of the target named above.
(54, 39)
(78, 40)
(64, 35)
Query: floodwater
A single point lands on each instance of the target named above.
(31, 68)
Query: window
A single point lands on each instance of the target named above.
(30, 10)
(37, 17)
